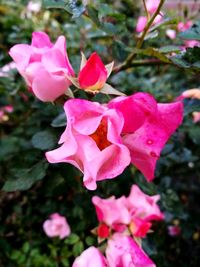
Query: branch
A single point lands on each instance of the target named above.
(140, 40)
(136, 63)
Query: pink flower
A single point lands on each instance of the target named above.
(152, 5)
(174, 230)
(8, 108)
(92, 141)
(56, 226)
(143, 206)
(34, 6)
(112, 211)
(139, 228)
(191, 43)
(93, 75)
(141, 23)
(123, 251)
(89, 258)
(44, 66)
(196, 116)
(184, 26)
(171, 33)
(159, 121)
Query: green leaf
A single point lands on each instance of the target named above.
(59, 121)
(78, 248)
(71, 6)
(72, 239)
(193, 33)
(43, 140)
(189, 59)
(153, 52)
(194, 134)
(169, 49)
(25, 178)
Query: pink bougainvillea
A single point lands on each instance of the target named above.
(44, 66)
(92, 141)
(57, 226)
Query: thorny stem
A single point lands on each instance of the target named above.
(140, 41)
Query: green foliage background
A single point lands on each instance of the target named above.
(32, 189)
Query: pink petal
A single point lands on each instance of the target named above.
(123, 251)
(146, 143)
(141, 23)
(21, 54)
(41, 40)
(90, 257)
(48, 87)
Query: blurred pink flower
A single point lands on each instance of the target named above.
(152, 5)
(191, 43)
(123, 251)
(34, 6)
(171, 33)
(184, 26)
(92, 142)
(56, 226)
(135, 211)
(141, 23)
(90, 257)
(196, 116)
(147, 134)
(174, 230)
(44, 66)
(93, 75)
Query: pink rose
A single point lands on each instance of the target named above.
(191, 43)
(56, 226)
(143, 206)
(90, 257)
(112, 211)
(93, 74)
(159, 121)
(123, 251)
(44, 66)
(92, 141)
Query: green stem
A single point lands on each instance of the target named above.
(140, 41)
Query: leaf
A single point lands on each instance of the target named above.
(59, 121)
(167, 21)
(190, 59)
(71, 6)
(69, 93)
(169, 49)
(153, 52)
(25, 178)
(191, 106)
(194, 134)
(109, 90)
(43, 140)
(193, 33)
(109, 68)
(83, 60)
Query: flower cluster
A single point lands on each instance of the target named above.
(134, 213)
(101, 140)
(118, 219)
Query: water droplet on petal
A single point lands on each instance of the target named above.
(153, 154)
(149, 142)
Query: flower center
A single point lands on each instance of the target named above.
(100, 135)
